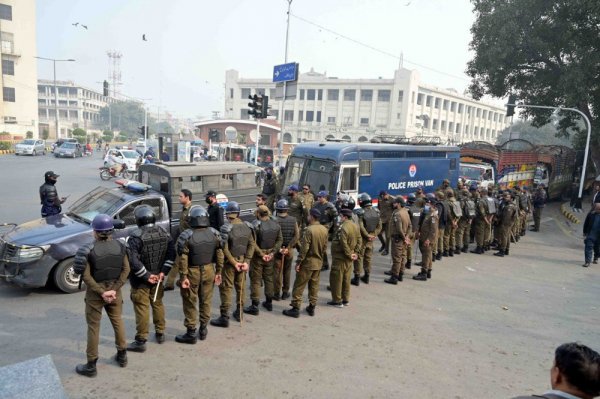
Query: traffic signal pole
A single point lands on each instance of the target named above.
(257, 140)
(282, 113)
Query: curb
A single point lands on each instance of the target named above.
(5, 152)
(564, 208)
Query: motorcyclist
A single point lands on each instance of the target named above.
(115, 165)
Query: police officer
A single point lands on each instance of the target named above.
(463, 232)
(237, 240)
(270, 187)
(386, 208)
(151, 253)
(200, 266)
(185, 199)
(105, 273)
(370, 226)
(481, 222)
(308, 200)
(308, 264)
(295, 205)
(328, 217)
(215, 212)
(268, 243)
(415, 208)
(452, 225)
(283, 260)
(506, 215)
(526, 207)
(51, 202)
(400, 228)
(345, 247)
(444, 223)
(427, 233)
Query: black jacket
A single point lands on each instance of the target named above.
(589, 222)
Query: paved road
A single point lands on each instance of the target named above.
(449, 337)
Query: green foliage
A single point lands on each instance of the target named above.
(122, 136)
(45, 134)
(545, 52)
(544, 135)
(107, 136)
(5, 145)
(128, 116)
(29, 134)
(80, 135)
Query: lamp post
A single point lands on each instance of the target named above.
(54, 61)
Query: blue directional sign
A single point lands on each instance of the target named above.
(285, 72)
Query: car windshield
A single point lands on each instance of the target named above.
(471, 172)
(106, 202)
(130, 154)
(28, 142)
(68, 145)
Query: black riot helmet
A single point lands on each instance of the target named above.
(282, 205)
(411, 198)
(232, 207)
(198, 217)
(345, 201)
(364, 199)
(400, 200)
(144, 215)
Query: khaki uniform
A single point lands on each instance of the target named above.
(450, 231)
(346, 241)
(283, 264)
(94, 305)
(366, 250)
(297, 210)
(310, 259)
(506, 217)
(427, 231)
(261, 271)
(480, 222)
(386, 209)
(183, 225)
(400, 229)
(308, 201)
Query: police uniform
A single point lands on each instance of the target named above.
(346, 242)
(370, 225)
(463, 231)
(506, 215)
(386, 208)
(427, 233)
(49, 199)
(480, 223)
(400, 229)
(453, 217)
(296, 209)
(308, 201)
(270, 190)
(283, 263)
(415, 210)
(183, 225)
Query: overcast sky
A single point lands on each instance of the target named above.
(192, 42)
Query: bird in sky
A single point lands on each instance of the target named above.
(407, 4)
(84, 26)
(144, 37)
(75, 24)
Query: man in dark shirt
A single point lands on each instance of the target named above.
(215, 212)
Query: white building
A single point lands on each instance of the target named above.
(18, 110)
(78, 107)
(358, 109)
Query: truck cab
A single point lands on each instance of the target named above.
(477, 172)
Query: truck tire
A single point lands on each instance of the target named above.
(64, 277)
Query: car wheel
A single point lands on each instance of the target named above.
(65, 278)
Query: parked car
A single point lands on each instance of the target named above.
(31, 147)
(68, 150)
(129, 157)
(61, 141)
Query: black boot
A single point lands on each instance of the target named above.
(252, 309)
(451, 252)
(438, 256)
(160, 337)
(325, 267)
(236, 314)
(202, 332)
(121, 357)
(365, 278)
(420, 277)
(355, 280)
(276, 297)
(457, 251)
(285, 295)
(292, 312)
(506, 252)
(221, 321)
(388, 273)
(392, 280)
(499, 253)
(428, 274)
(88, 369)
(310, 309)
(419, 264)
(408, 264)
(385, 252)
(445, 253)
(381, 248)
(465, 248)
(477, 250)
(268, 304)
(137, 346)
(188, 338)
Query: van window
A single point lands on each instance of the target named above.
(365, 167)
(349, 180)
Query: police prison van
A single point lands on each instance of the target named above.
(41, 251)
(354, 168)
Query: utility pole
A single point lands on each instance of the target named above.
(282, 116)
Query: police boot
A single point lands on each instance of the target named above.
(451, 252)
(457, 251)
(88, 369)
(419, 263)
(365, 278)
(310, 309)
(465, 248)
(445, 253)
(268, 304)
(252, 309)
(355, 280)
(408, 264)
(121, 357)
(276, 297)
(392, 280)
(385, 252)
(388, 273)
(438, 256)
(285, 295)
(381, 248)
(499, 253)
(137, 346)
(506, 252)
(236, 314)
(221, 321)
(202, 332)
(292, 312)
(422, 276)
(477, 250)
(428, 274)
(325, 267)
(188, 338)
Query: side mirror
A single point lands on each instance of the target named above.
(118, 224)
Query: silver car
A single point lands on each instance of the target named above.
(68, 150)
(31, 147)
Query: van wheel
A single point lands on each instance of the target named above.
(65, 278)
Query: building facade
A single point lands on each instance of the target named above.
(78, 107)
(18, 110)
(359, 109)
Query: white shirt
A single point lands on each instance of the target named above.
(561, 394)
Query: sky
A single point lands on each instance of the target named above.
(191, 43)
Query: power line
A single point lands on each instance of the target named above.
(370, 47)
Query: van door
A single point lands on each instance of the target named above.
(348, 182)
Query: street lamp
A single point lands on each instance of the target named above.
(54, 61)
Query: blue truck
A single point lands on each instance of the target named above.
(371, 167)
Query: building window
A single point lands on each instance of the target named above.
(398, 115)
(243, 114)
(364, 121)
(495, 117)
(458, 128)
(320, 95)
(476, 132)
(490, 115)
(310, 94)
(460, 108)
(318, 116)
(310, 116)
(275, 113)
(383, 96)
(419, 99)
(259, 91)
(8, 94)
(230, 93)
(434, 125)
(446, 105)
(7, 40)
(288, 115)
(400, 96)
(437, 102)
(300, 116)
(478, 112)
(469, 109)
(8, 67)
(450, 126)
(428, 101)
(349, 95)
(272, 93)
(245, 94)
(453, 106)
(443, 126)
(5, 12)
(333, 94)
(426, 123)
(301, 94)
(331, 120)
(483, 114)
(366, 95)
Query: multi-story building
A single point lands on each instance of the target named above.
(78, 107)
(359, 109)
(18, 110)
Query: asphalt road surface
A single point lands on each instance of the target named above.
(482, 327)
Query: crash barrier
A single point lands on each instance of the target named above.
(565, 209)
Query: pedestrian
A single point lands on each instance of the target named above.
(215, 211)
(400, 229)
(591, 231)
(308, 264)
(539, 202)
(427, 233)
(596, 194)
(151, 254)
(386, 208)
(328, 215)
(200, 266)
(345, 247)
(574, 374)
(283, 260)
(51, 202)
(268, 243)
(105, 272)
(164, 156)
(269, 188)
(237, 240)
(506, 216)
(370, 226)
(185, 199)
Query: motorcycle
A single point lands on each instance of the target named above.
(107, 173)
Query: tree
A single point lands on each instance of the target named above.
(80, 135)
(544, 135)
(29, 134)
(107, 136)
(45, 134)
(545, 52)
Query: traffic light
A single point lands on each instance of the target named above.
(105, 88)
(213, 135)
(142, 130)
(265, 107)
(510, 109)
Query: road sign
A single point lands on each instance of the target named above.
(231, 133)
(254, 135)
(285, 72)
